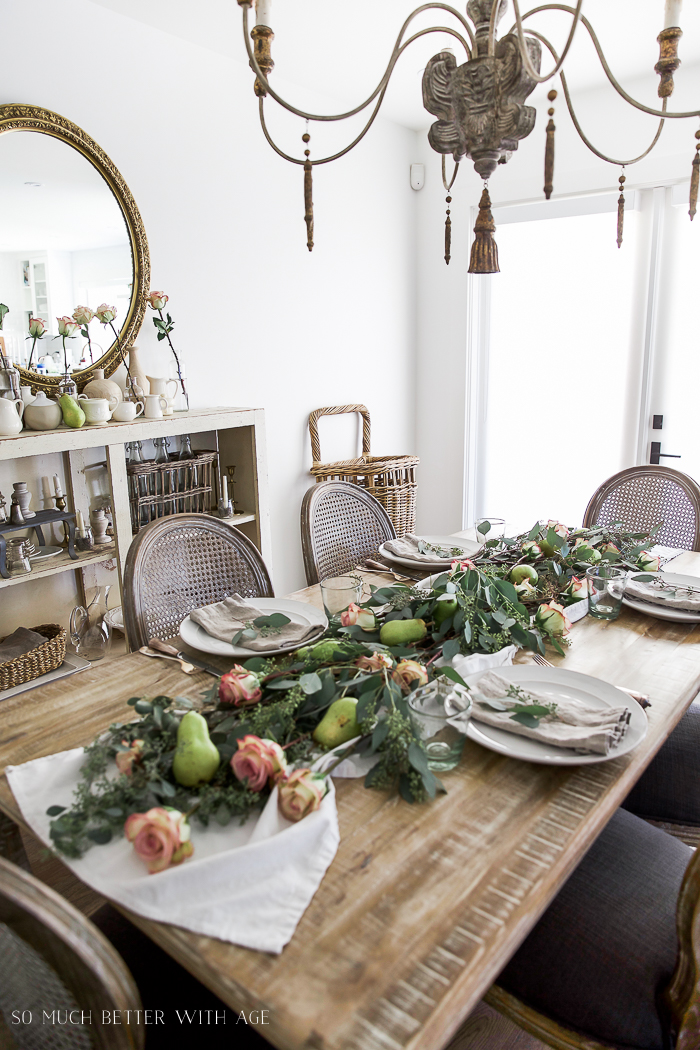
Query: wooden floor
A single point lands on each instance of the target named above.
(487, 1030)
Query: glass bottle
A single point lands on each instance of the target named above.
(67, 385)
(137, 482)
(187, 475)
(162, 478)
(90, 632)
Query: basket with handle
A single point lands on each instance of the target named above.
(390, 479)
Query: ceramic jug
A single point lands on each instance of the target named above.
(10, 416)
(98, 410)
(126, 411)
(155, 403)
(160, 386)
(101, 387)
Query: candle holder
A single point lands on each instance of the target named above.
(225, 508)
(61, 504)
(86, 542)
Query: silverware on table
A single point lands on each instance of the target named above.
(641, 698)
(170, 650)
(185, 666)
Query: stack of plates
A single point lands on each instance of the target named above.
(298, 612)
(664, 612)
(466, 549)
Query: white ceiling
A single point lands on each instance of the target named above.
(341, 47)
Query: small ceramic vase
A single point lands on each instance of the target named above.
(42, 413)
(155, 403)
(127, 411)
(24, 498)
(99, 527)
(101, 387)
(137, 373)
(27, 396)
(10, 416)
(98, 411)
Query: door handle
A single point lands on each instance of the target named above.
(657, 454)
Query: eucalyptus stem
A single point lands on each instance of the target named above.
(177, 362)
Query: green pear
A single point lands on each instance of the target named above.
(444, 608)
(400, 632)
(196, 758)
(73, 415)
(338, 724)
(323, 652)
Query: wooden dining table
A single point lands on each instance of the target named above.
(423, 904)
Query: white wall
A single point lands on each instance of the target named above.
(262, 321)
(443, 306)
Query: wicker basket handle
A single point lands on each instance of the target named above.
(338, 410)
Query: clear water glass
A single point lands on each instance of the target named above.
(496, 529)
(338, 592)
(440, 711)
(606, 588)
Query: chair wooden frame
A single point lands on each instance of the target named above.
(91, 969)
(310, 530)
(142, 549)
(682, 481)
(681, 998)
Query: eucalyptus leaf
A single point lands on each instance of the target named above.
(53, 811)
(450, 649)
(455, 676)
(418, 758)
(526, 719)
(143, 707)
(101, 836)
(310, 683)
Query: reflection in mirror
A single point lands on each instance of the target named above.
(64, 243)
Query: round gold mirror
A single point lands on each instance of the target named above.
(71, 236)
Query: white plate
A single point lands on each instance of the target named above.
(558, 682)
(660, 611)
(468, 548)
(45, 552)
(71, 664)
(299, 612)
(115, 618)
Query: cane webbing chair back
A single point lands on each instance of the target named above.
(340, 525)
(641, 497)
(56, 965)
(181, 563)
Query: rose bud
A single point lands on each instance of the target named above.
(461, 566)
(531, 550)
(408, 671)
(576, 588)
(525, 590)
(83, 314)
(375, 662)
(257, 761)
(648, 561)
(609, 548)
(552, 619)
(301, 793)
(67, 326)
(125, 759)
(37, 327)
(560, 530)
(585, 553)
(161, 837)
(350, 616)
(105, 313)
(157, 300)
(239, 687)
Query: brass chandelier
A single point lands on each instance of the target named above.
(480, 104)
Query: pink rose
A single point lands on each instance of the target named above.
(531, 550)
(105, 313)
(161, 837)
(83, 314)
(257, 761)
(157, 300)
(239, 687)
(37, 327)
(126, 759)
(576, 588)
(561, 530)
(67, 326)
(461, 566)
(364, 618)
(375, 662)
(408, 671)
(301, 793)
(551, 618)
(609, 548)
(648, 561)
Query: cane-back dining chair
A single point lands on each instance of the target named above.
(181, 563)
(614, 962)
(340, 525)
(641, 497)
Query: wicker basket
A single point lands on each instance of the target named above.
(180, 486)
(44, 658)
(390, 479)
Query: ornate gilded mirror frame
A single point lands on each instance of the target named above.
(17, 117)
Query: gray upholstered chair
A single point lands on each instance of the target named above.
(640, 497)
(615, 960)
(340, 525)
(181, 563)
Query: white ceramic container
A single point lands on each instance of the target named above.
(10, 416)
(42, 413)
(155, 403)
(127, 411)
(98, 410)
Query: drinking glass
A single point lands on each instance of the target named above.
(338, 592)
(606, 587)
(496, 529)
(440, 711)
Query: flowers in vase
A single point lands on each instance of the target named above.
(106, 314)
(67, 328)
(83, 315)
(37, 331)
(164, 326)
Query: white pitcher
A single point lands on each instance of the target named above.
(155, 403)
(160, 386)
(98, 410)
(10, 416)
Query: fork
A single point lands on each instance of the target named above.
(641, 698)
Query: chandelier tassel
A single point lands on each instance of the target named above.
(308, 199)
(448, 231)
(621, 210)
(484, 256)
(695, 180)
(549, 149)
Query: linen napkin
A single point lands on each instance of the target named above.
(18, 643)
(407, 547)
(224, 619)
(248, 884)
(671, 596)
(577, 725)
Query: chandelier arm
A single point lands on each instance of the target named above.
(321, 160)
(606, 68)
(531, 71)
(397, 51)
(448, 186)
(592, 148)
